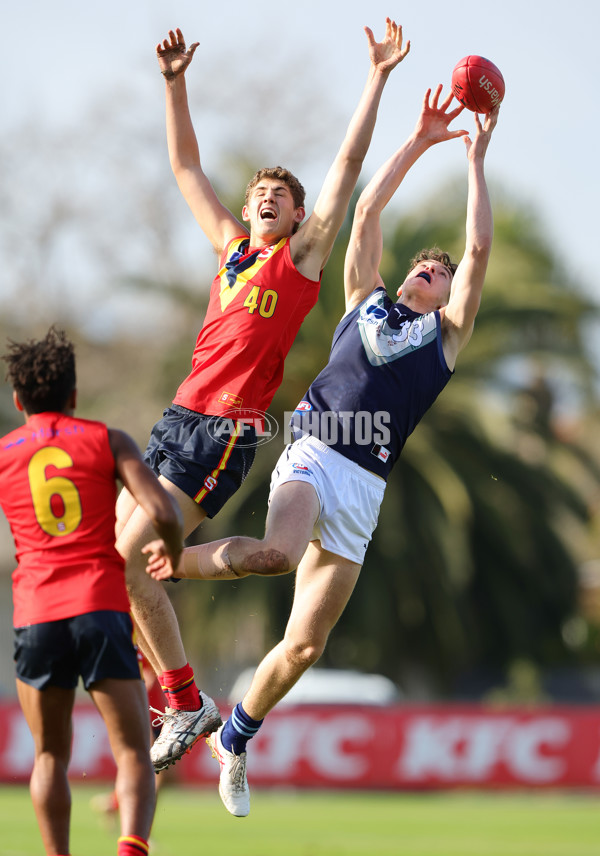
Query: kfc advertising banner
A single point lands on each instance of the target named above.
(400, 747)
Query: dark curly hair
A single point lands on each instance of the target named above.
(435, 255)
(42, 372)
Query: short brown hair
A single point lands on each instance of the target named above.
(42, 373)
(435, 255)
(278, 173)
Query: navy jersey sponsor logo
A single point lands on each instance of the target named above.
(387, 336)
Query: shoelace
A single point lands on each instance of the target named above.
(161, 716)
(181, 724)
(238, 772)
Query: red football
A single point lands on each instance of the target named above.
(477, 83)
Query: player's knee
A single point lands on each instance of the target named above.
(145, 594)
(55, 761)
(304, 655)
(134, 584)
(134, 569)
(134, 758)
(136, 578)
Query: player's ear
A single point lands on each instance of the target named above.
(17, 401)
(299, 214)
(245, 214)
(72, 402)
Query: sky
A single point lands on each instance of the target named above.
(59, 57)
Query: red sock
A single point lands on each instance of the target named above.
(132, 845)
(180, 689)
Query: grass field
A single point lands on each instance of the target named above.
(332, 824)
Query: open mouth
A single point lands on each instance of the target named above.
(424, 275)
(268, 214)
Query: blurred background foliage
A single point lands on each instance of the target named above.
(481, 577)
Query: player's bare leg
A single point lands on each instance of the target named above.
(146, 650)
(190, 714)
(293, 511)
(152, 609)
(126, 505)
(48, 715)
(324, 583)
(123, 705)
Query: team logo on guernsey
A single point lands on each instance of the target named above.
(373, 314)
(241, 266)
(210, 483)
(380, 452)
(230, 399)
(301, 469)
(386, 337)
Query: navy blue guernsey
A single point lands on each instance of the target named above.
(385, 370)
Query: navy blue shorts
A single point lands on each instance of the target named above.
(95, 645)
(207, 457)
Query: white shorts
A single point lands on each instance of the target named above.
(349, 495)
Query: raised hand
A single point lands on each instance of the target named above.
(386, 55)
(478, 146)
(173, 58)
(432, 124)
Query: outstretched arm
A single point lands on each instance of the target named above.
(313, 242)
(458, 317)
(363, 257)
(216, 221)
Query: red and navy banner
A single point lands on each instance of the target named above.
(340, 746)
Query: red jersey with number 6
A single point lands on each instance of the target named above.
(257, 303)
(58, 492)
